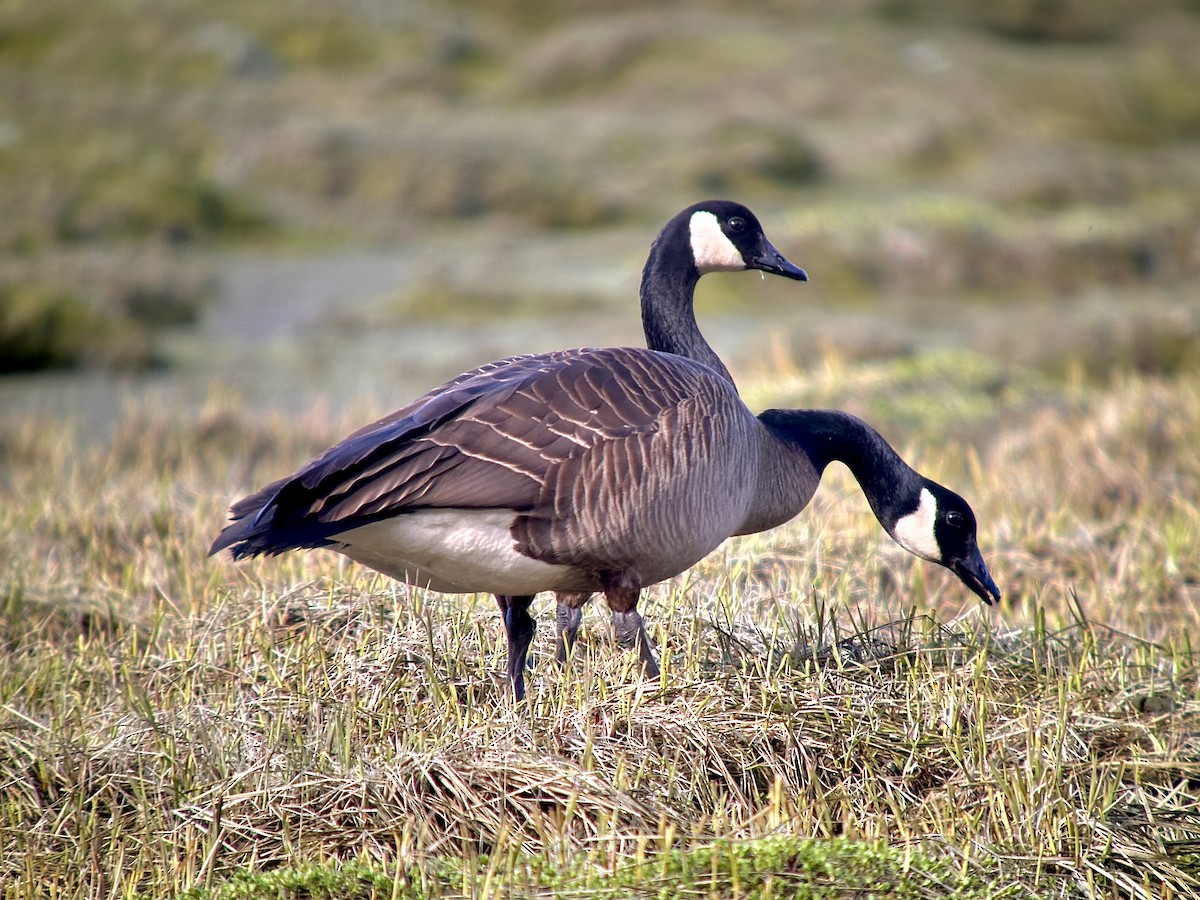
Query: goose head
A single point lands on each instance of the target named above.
(726, 237)
(712, 236)
(939, 526)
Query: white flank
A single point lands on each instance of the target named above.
(914, 532)
(456, 551)
(711, 249)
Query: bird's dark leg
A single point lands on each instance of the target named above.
(568, 615)
(621, 590)
(520, 626)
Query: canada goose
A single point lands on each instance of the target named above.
(711, 236)
(585, 470)
(715, 235)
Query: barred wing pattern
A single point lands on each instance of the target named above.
(548, 435)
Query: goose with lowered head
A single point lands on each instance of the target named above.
(592, 470)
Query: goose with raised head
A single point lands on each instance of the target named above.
(585, 470)
(711, 236)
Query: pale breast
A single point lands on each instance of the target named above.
(456, 551)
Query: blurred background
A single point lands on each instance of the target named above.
(303, 201)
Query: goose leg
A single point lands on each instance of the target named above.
(520, 626)
(568, 615)
(621, 590)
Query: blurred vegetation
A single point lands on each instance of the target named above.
(919, 146)
(42, 329)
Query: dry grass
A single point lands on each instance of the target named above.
(167, 722)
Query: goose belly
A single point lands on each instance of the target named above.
(456, 551)
(658, 525)
(677, 544)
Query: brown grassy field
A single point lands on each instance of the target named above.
(834, 717)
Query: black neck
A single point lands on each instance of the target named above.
(668, 315)
(891, 486)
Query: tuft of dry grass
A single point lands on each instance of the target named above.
(169, 722)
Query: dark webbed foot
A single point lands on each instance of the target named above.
(631, 635)
(621, 590)
(568, 614)
(520, 627)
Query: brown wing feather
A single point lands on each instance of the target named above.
(657, 495)
(493, 438)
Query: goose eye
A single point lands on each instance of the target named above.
(737, 224)
(954, 519)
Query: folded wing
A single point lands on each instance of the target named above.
(493, 438)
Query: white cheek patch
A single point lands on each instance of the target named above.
(914, 532)
(711, 249)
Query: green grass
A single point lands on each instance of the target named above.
(763, 868)
(833, 713)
